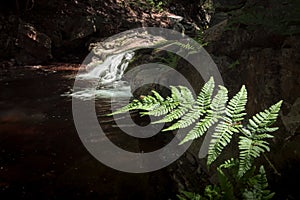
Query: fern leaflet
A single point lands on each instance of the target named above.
(235, 111)
(261, 121)
(250, 149)
(198, 109)
(217, 109)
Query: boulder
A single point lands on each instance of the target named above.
(34, 46)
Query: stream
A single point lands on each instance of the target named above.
(41, 155)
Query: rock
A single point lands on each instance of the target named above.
(8, 33)
(34, 46)
(218, 17)
(292, 120)
(228, 5)
(79, 27)
(154, 77)
(215, 33)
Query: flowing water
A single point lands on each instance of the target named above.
(41, 155)
(108, 77)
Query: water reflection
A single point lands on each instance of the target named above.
(41, 155)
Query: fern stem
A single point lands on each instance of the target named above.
(271, 165)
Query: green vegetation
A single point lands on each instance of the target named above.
(227, 117)
(171, 60)
(234, 64)
(200, 39)
(151, 5)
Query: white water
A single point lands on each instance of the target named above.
(112, 69)
(108, 74)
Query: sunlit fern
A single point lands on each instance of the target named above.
(253, 141)
(206, 111)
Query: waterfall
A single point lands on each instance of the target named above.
(111, 70)
(108, 75)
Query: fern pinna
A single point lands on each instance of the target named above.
(207, 110)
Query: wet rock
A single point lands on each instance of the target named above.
(34, 46)
(130, 40)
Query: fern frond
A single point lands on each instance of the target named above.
(199, 109)
(204, 97)
(186, 95)
(219, 101)
(200, 128)
(165, 107)
(235, 111)
(236, 106)
(225, 185)
(261, 136)
(220, 139)
(175, 94)
(183, 96)
(222, 134)
(131, 106)
(185, 100)
(157, 96)
(229, 163)
(177, 113)
(217, 109)
(250, 149)
(148, 103)
(262, 120)
(259, 185)
(184, 195)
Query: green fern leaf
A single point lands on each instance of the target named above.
(199, 109)
(236, 106)
(177, 113)
(158, 96)
(200, 128)
(229, 163)
(204, 97)
(165, 107)
(189, 111)
(186, 95)
(220, 138)
(175, 94)
(225, 185)
(250, 149)
(146, 103)
(217, 109)
(261, 121)
(258, 187)
(131, 106)
(219, 101)
(185, 100)
(235, 111)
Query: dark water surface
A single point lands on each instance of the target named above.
(41, 155)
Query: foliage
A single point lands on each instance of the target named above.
(200, 38)
(151, 5)
(227, 116)
(251, 186)
(234, 64)
(171, 60)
